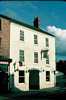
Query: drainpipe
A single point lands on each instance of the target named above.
(10, 60)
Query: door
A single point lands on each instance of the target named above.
(33, 79)
(3, 77)
(3, 81)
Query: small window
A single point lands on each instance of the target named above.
(47, 42)
(21, 77)
(21, 55)
(35, 57)
(35, 39)
(21, 35)
(47, 75)
(0, 24)
(0, 41)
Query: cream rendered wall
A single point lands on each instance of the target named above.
(29, 48)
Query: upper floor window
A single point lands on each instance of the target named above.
(35, 39)
(44, 54)
(47, 42)
(21, 55)
(0, 41)
(35, 57)
(21, 35)
(47, 75)
(21, 76)
(0, 24)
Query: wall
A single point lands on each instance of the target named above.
(5, 35)
(29, 49)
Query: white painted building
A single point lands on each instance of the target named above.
(34, 49)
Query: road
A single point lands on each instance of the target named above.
(46, 94)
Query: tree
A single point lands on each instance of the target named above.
(61, 66)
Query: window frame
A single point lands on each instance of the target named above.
(47, 60)
(47, 42)
(44, 54)
(35, 57)
(47, 76)
(21, 56)
(21, 35)
(22, 77)
(35, 39)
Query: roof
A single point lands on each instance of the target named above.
(26, 25)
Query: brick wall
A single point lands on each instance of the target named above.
(5, 35)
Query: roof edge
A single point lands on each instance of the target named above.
(25, 25)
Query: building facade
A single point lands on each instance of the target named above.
(32, 51)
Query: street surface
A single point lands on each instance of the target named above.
(45, 94)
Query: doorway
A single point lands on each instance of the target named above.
(34, 79)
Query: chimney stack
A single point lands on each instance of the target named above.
(36, 22)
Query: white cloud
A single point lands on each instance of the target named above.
(60, 33)
(60, 39)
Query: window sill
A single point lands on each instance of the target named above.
(35, 44)
(47, 64)
(21, 83)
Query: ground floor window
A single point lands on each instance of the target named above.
(47, 75)
(21, 76)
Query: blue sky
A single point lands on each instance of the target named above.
(52, 18)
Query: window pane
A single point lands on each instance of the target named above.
(47, 60)
(21, 54)
(21, 80)
(21, 77)
(35, 57)
(21, 73)
(47, 75)
(47, 42)
(35, 39)
(22, 35)
(45, 54)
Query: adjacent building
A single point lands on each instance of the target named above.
(32, 51)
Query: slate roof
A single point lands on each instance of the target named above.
(26, 25)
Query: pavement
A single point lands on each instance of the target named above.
(44, 94)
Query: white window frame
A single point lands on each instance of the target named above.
(22, 77)
(35, 39)
(21, 35)
(35, 57)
